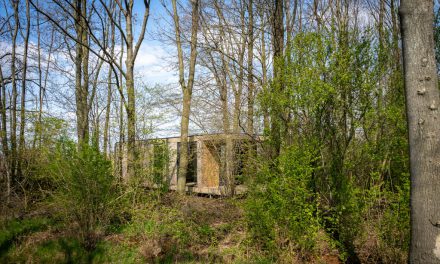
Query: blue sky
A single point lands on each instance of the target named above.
(151, 68)
(150, 62)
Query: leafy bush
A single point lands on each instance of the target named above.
(280, 208)
(85, 189)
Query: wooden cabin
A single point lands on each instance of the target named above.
(159, 162)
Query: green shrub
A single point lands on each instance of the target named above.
(85, 189)
(280, 208)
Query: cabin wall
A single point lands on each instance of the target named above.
(210, 170)
(210, 161)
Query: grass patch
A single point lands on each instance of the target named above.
(11, 231)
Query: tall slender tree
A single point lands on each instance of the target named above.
(186, 86)
(13, 106)
(23, 85)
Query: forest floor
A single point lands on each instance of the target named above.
(172, 229)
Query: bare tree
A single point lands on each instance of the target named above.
(23, 85)
(186, 86)
(109, 89)
(85, 34)
(132, 52)
(4, 133)
(250, 59)
(42, 80)
(13, 106)
(81, 71)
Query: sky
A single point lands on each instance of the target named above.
(150, 63)
(153, 64)
(153, 61)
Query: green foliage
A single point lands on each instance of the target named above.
(35, 182)
(85, 189)
(49, 131)
(159, 169)
(340, 97)
(280, 208)
(107, 252)
(394, 226)
(11, 231)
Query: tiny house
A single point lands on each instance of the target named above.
(159, 162)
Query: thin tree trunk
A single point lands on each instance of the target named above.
(422, 99)
(85, 102)
(13, 107)
(266, 121)
(132, 51)
(239, 91)
(121, 137)
(131, 106)
(93, 99)
(395, 35)
(4, 131)
(121, 113)
(107, 115)
(81, 99)
(250, 58)
(42, 84)
(23, 86)
(381, 63)
(228, 158)
(109, 90)
(4, 137)
(278, 46)
(186, 87)
(37, 132)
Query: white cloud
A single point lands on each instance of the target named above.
(152, 64)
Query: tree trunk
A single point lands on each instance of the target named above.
(121, 113)
(13, 107)
(109, 92)
(3, 133)
(23, 85)
(266, 121)
(85, 102)
(131, 121)
(131, 100)
(107, 114)
(132, 51)
(186, 87)
(278, 46)
(94, 99)
(42, 84)
(239, 91)
(395, 35)
(37, 135)
(184, 127)
(121, 137)
(422, 99)
(222, 83)
(80, 95)
(250, 95)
